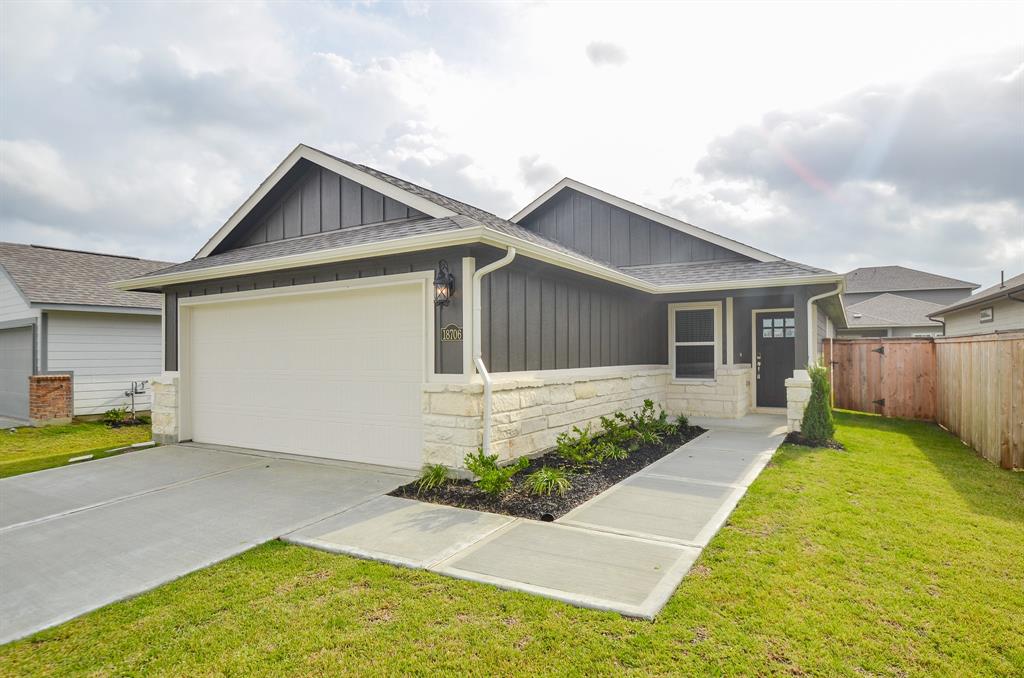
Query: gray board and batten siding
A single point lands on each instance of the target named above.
(612, 234)
(312, 199)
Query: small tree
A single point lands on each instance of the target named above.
(818, 423)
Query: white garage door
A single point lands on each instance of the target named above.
(332, 374)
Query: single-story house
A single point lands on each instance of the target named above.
(895, 301)
(70, 343)
(999, 308)
(345, 313)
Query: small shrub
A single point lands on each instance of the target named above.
(491, 479)
(576, 447)
(433, 477)
(605, 450)
(818, 423)
(682, 423)
(548, 481)
(116, 416)
(651, 428)
(618, 432)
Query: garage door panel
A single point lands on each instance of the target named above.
(15, 368)
(336, 375)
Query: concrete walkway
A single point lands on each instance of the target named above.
(625, 550)
(75, 538)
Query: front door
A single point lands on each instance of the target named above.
(775, 334)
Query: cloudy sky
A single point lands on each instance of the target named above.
(835, 135)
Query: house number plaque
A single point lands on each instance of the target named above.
(451, 333)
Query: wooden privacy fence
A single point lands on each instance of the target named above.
(894, 377)
(981, 394)
(972, 386)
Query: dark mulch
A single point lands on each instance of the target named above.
(127, 422)
(795, 438)
(518, 502)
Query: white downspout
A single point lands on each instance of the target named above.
(811, 327)
(478, 358)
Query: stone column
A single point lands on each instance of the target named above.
(798, 393)
(166, 419)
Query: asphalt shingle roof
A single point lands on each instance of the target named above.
(1012, 285)
(468, 216)
(47, 275)
(348, 237)
(899, 278)
(891, 310)
(693, 273)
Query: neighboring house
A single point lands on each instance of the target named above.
(60, 314)
(894, 301)
(319, 320)
(999, 308)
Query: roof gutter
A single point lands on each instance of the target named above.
(478, 358)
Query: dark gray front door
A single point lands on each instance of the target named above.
(775, 334)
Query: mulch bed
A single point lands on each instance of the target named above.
(794, 438)
(127, 422)
(518, 502)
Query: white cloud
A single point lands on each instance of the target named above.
(165, 117)
(34, 171)
(603, 53)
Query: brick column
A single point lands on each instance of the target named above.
(50, 399)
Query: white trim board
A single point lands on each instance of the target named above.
(303, 152)
(647, 213)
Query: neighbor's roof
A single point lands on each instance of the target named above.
(899, 278)
(449, 222)
(891, 310)
(49, 275)
(1014, 285)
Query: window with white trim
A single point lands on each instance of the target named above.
(695, 340)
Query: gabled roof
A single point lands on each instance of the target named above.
(448, 222)
(899, 279)
(640, 210)
(891, 310)
(53, 276)
(1011, 286)
(390, 187)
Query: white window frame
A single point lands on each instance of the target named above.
(715, 306)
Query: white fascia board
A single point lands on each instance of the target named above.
(303, 152)
(640, 210)
(94, 308)
(463, 236)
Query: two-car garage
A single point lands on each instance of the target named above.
(332, 370)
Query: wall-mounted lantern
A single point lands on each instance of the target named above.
(444, 284)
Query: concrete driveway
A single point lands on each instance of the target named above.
(76, 538)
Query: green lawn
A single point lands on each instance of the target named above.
(902, 556)
(33, 449)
